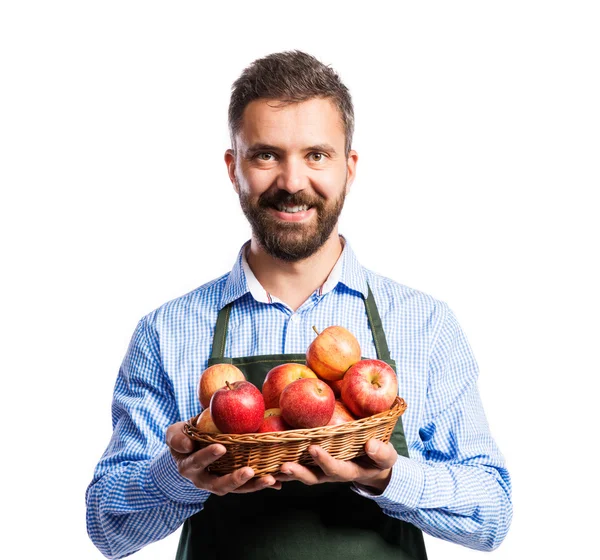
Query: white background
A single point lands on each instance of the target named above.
(478, 131)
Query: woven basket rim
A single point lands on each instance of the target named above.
(395, 411)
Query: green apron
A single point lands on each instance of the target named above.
(321, 522)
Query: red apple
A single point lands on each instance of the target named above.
(214, 378)
(336, 386)
(341, 415)
(273, 421)
(281, 376)
(370, 387)
(205, 423)
(332, 353)
(237, 408)
(307, 403)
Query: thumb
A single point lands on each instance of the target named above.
(177, 440)
(382, 454)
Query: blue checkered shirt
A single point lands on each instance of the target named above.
(455, 485)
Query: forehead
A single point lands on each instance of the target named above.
(269, 121)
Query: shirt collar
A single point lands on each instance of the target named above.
(241, 280)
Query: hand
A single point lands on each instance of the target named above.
(192, 465)
(374, 472)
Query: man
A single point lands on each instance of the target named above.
(291, 163)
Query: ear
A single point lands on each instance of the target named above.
(230, 162)
(351, 168)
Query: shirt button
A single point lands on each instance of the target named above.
(294, 318)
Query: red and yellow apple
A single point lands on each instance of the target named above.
(214, 378)
(332, 353)
(336, 386)
(237, 408)
(273, 421)
(279, 377)
(341, 414)
(370, 387)
(205, 423)
(307, 403)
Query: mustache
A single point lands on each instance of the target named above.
(273, 198)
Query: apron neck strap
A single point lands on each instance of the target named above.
(218, 347)
(381, 346)
(383, 353)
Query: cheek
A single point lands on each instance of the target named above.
(255, 182)
(330, 183)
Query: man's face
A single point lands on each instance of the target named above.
(291, 174)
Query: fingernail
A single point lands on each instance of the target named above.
(247, 474)
(313, 451)
(217, 451)
(373, 447)
(286, 471)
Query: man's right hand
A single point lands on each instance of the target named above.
(192, 465)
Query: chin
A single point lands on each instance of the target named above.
(289, 250)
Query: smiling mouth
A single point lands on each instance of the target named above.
(291, 209)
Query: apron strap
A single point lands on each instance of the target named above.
(218, 347)
(383, 353)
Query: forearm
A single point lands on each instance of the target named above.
(137, 503)
(456, 486)
(465, 504)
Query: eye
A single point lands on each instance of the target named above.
(264, 156)
(317, 157)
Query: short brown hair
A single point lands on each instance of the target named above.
(290, 77)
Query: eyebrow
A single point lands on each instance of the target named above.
(323, 148)
(269, 148)
(261, 148)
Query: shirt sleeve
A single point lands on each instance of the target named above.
(137, 496)
(455, 486)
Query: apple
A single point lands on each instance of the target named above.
(307, 403)
(336, 386)
(273, 421)
(281, 376)
(341, 414)
(214, 378)
(332, 353)
(205, 423)
(370, 387)
(237, 408)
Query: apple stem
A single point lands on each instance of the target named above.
(228, 385)
(315, 329)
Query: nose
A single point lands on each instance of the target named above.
(292, 176)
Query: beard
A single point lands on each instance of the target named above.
(291, 241)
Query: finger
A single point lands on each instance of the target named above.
(231, 482)
(280, 477)
(199, 460)
(177, 440)
(331, 467)
(259, 483)
(382, 454)
(294, 471)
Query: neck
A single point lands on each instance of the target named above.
(294, 282)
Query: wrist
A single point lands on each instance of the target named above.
(405, 487)
(175, 487)
(378, 483)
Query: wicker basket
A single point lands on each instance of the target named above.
(266, 452)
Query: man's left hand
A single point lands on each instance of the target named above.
(374, 473)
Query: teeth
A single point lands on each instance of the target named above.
(291, 209)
